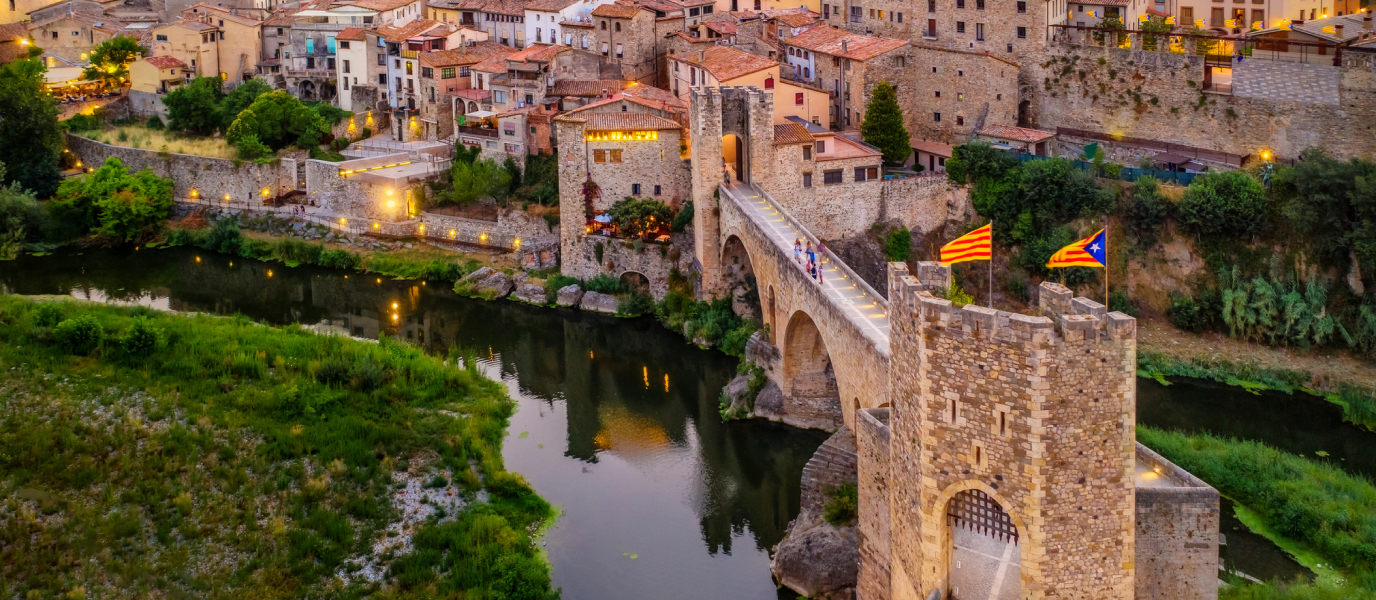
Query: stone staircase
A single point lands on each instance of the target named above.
(834, 463)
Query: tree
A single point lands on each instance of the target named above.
(476, 180)
(883, 126)
(977, 161)
(114, 202)
(279, 120)
(30, 135)
(1154, 25)
(240, 99)
(1230, 203)
(1147, 210)
(639, 217)
(194, 107)
(513, 171)
(21, 218)
(110, 59)
(1332, 204)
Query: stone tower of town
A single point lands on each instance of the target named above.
(1018, 428)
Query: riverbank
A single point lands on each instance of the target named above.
(1321, 514)
(154, 453)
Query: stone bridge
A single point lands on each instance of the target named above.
(832, 338)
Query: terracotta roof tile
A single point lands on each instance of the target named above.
(727, 63)
(409, 30)
(791, 133)
(617, 11)
(722, 27)
(351, 34)
(189, 24)
(381, 5)
(937, 148)
(281, 18)
(494, 64)
(550, 5)
(626, 122)
(537, 52)
(670, 104)
(1021, 134)
(825, 40)
(221, 13)
(468, 55)
(587, 87)
(165, 62)
(796, 19)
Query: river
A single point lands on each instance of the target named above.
(617, 419)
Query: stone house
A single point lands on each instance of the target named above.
(446, 85)
(18, 10)
(931, 155)
(635, 154)
(573, 93)
(526, 130)
(543, 19)
(14, 42)
(848, 65)
(626, 34)
(1006, 28)
(239, 37)
(957, 93)
(518, 79)
(192, 42)
(276, 36)
(353, 67)
(503, 20)
(71, 35)
(1018, 139)
(157, 74)
(726, 66)
(817, 173)
(788, 24)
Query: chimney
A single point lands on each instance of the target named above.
(1338, 30)
(843, 47)
(1366, 21)
(702, 55)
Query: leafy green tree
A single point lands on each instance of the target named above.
(513, 171)
(30, 135)
(1147, 210)
(114, 202)
(194, 107)
(474, 181)
(1037, 196)
(1331, 204)
(640, 216)
(883, 126)
(977, 161)
(1227, 204)
(279, 120)
(465, 153)
(249, 148)
(110, 59)
(240, 99)
(898, 244)
(21, 218)
(1154, 27)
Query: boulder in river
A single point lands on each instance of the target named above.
(599, 302)
(529, 292)
(569, 295)
(822, 561)
(486, 282)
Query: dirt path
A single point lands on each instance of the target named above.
(1156, 334)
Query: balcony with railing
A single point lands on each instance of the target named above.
(478, 131)
(311, 73)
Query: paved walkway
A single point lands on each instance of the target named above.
(855, 298)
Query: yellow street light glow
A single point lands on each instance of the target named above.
(389, 192)
(194, 193)
(269, 272)
(78, 163)
(198, 259)
(226, 197)
(622, 136)
(483, 237)
(452, 233)
(265, 191)
(391, 204)
(394, 316)
(342, 220)
(518, 241)
(377, 225)
(379, 280)
(394, 306)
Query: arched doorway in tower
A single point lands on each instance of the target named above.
(809, 379)
(733, 157)
(986, 558)
(739, 274)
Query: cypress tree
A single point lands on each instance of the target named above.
(883, 126)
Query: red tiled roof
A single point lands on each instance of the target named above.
(727, 63)
(722, 27)
(796, 19)
(494, 64)
(281, 18)
(825, 40)
(164, 62)
(671, 104)
(537, 52)
(550, 5)
(587, 87)
(381, 4)
(221, 13)
(791, 133)
(1021, 134)
(617, 11)
(936, 148)
(467, 55)
(351, 34)
(626, 122)
(414, 28)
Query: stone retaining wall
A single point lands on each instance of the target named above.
(1177, 535)
(242, 181)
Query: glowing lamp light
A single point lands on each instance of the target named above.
(394, 306)
(483, 237)
(342, 220)
(394, 316)
(226, 197)
(78, 163)
(265, 192)
(422, 227)
(23, 42)
(269, 272)
(379, 280)
(194, 193)
(1265, 155)
(588, 229)
(377, 226)
(389, 192)
(452, 233)
(518, 242)
(198, 259)
(391, 204)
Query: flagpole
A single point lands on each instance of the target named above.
(991, 263)
(1106, 263)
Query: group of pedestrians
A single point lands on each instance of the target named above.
(813, 266)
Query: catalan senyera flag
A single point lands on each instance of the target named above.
(976, 245)
(1089, 252)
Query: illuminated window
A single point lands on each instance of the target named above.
(599, 156)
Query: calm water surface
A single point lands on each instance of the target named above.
(617, 421)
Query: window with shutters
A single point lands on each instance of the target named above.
(807, 152)
(447, 73)
(831, 177)
(599, 156)
(798, 99)
(427, 72)
(616, 156)
(807, 180)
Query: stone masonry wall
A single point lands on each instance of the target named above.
(1036, 412)
(654, 261)
(1177, 535)
(968, 89)
(923, 203)
(1116, 97)
(210, 177)
(828, 211)
(872, 448)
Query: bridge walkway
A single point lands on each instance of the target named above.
(867, 310)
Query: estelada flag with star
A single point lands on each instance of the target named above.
(1089, 252)
(976, 245)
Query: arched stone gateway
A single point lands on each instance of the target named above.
(811, 395)
(985, 560)
(742, 286)
(306, 90)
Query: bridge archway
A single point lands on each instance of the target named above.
(808, 372)
(635, 281)
(739, 273)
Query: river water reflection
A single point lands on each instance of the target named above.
(617, 421)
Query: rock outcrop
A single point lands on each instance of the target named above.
(529, 292)
(485, 282)
(815, 558)
(738, 397)
(569, 295)
(599, 302)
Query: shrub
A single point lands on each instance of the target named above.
(634, 305)
(339, 144)
(340, 259)
(843, 502)
(1147, 210)
(249, 148)
(155, 123)
(1225, 204)
(48, 315)
(79, 335)
(83, 122)
(683, 219)
(1197, 316)
(640, 216)
(224, 237)
(556, 283)
(332, 372)
(603, 283)
(898, 245)
(141, 339)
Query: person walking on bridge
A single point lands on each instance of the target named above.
(811, 253)
(797, 251)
